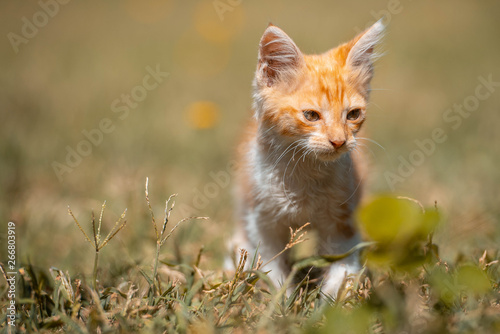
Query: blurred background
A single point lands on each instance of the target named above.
(84, 120)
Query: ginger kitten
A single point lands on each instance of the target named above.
(298, 164)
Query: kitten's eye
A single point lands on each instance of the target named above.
(311, 115)
(354, 114)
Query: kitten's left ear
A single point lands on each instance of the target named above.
(279, 57)
(361, 55)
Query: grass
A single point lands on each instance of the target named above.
(96, 242)
(404, 287)
(161, 238)
(183, 134)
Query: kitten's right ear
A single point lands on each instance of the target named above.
(361, 54)
(279, 57)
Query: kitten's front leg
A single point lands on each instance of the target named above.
(337, 273)
(267, 246)
(333, 242)
(271, 238)
(278, 267)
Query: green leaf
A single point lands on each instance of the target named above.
(388, 218)
(357, 320)
(320, 261)
(429, 222)
(150, 281)
(444, 284)
(400, 227)
(473, 279)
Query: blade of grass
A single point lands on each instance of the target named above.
(79, 226)
(100, 223)
(151, 210)
(112, 233)
(177, 225)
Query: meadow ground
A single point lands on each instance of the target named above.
(72, 137)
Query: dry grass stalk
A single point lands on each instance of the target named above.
(161, 238)
(296, 237)
(96, 243)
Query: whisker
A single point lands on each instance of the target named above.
(372, 89)
(371, 140)
(291, 159)
(376, 105)
(354, 149)
(272, 127)
(283, 179)
(303, 156)
(289, 148)
(356, 189)
(368, 148)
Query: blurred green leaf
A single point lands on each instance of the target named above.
(430, 220)
(444, 285)
(400, 227)
(321, 261)
(338, 320)
(472, 279)
(387, 218)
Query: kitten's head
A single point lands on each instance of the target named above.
(318, 101)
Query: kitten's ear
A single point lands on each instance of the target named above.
(361, 55)
(279, 57)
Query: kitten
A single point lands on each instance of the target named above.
(297, 164)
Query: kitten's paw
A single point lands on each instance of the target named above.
(339, 276)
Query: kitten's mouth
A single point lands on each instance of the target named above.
(331, 154)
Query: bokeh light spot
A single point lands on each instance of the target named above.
(203, 114)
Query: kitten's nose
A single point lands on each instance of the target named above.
(337, 143)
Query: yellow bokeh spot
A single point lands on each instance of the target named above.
(218, 24)
(148, 11)
(203, 114)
